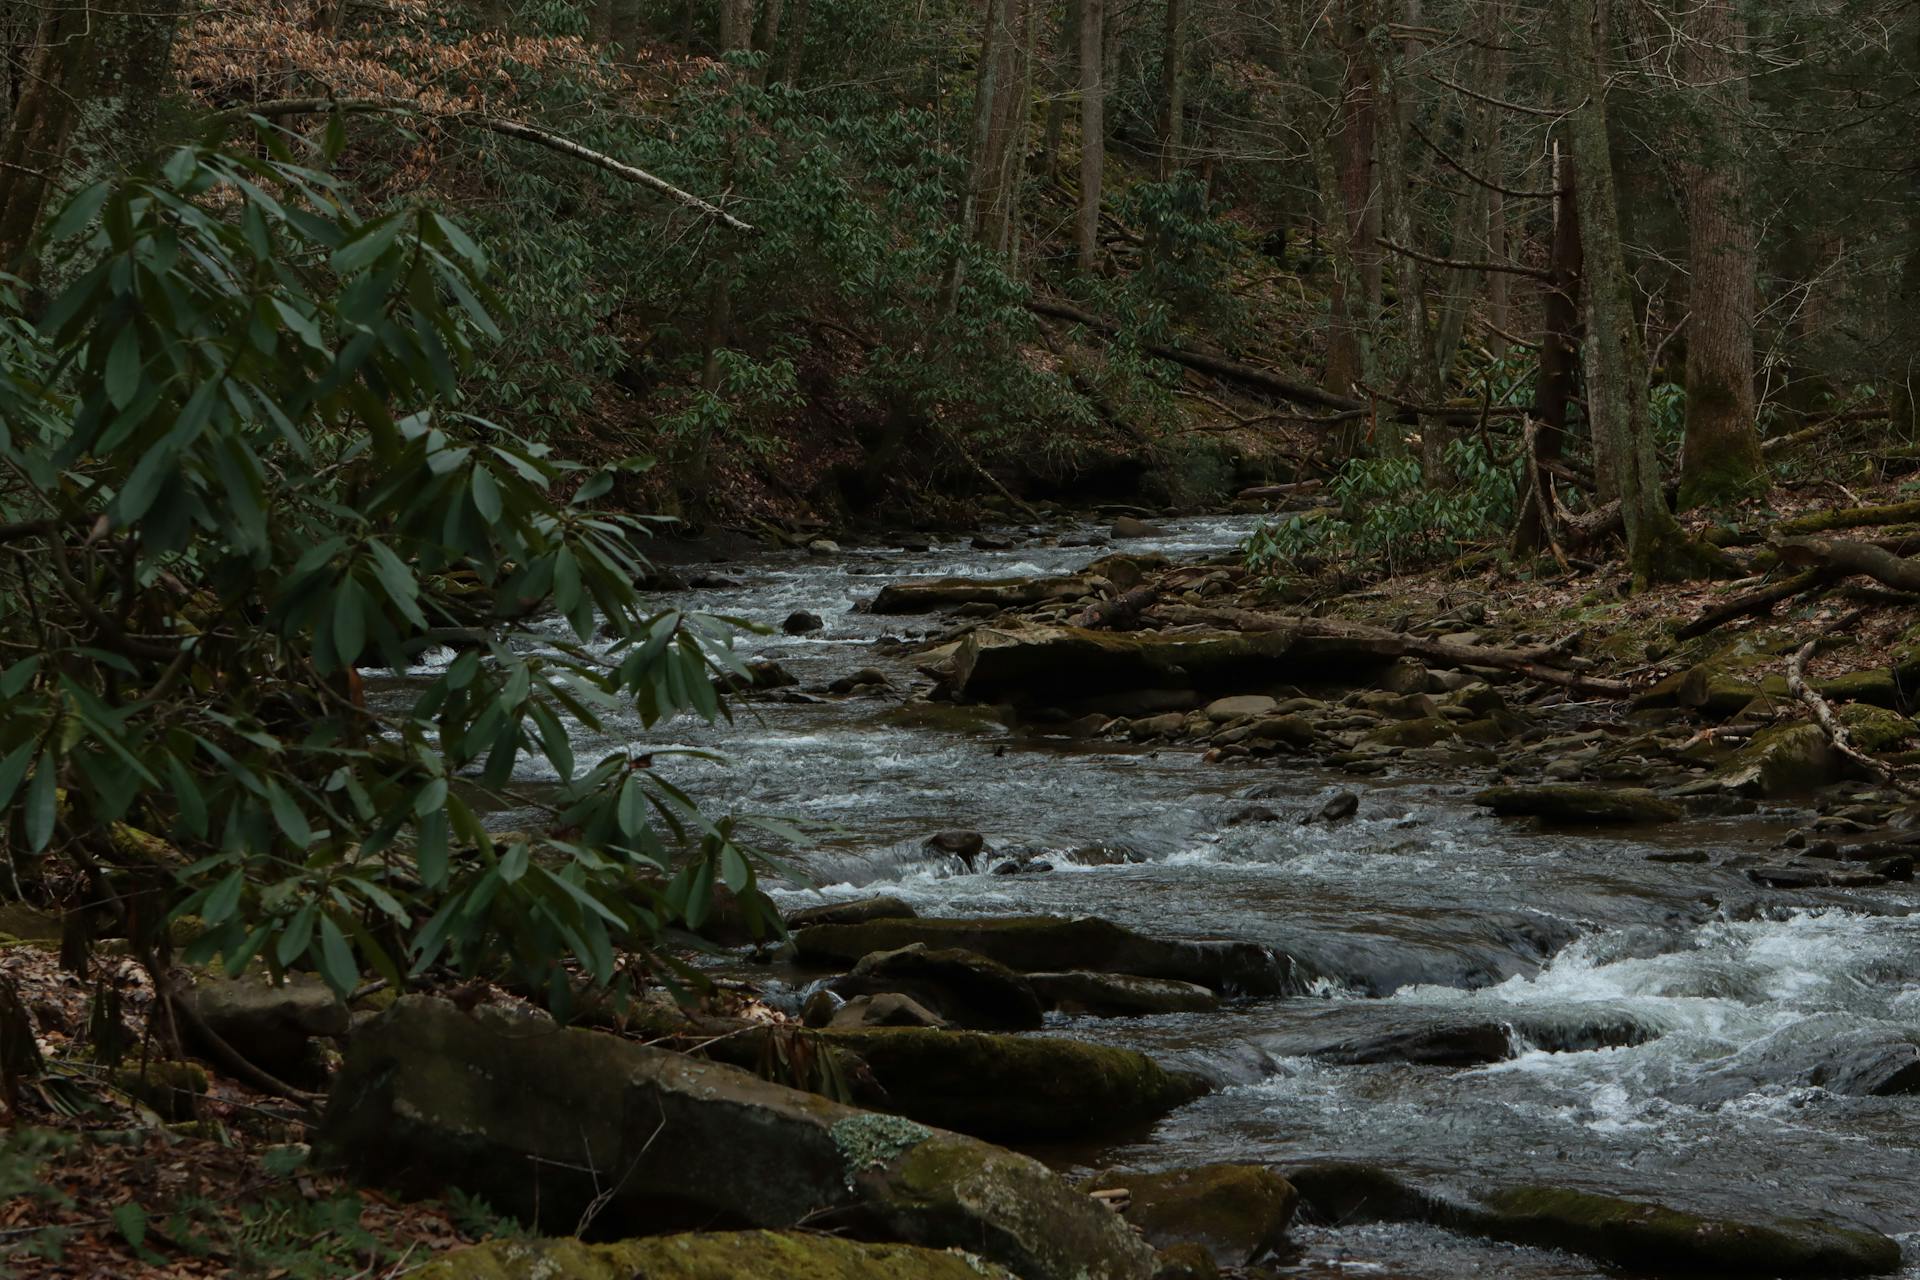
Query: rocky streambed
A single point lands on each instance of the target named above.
(1477, 1044)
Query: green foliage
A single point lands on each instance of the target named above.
(1390, 517)
(236, 472)
(1191, 251)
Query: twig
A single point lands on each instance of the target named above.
(1830, 724)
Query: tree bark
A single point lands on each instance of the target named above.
(1560, 306)
(1721, 457)
(1093, 135)
(1173, 83)
(1356, 288)
(1618, 406)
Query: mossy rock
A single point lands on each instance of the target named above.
(171, 1088)
(1411, 733)
(21, 923)
(1876, 686)
(1629, 1233)
(1633, 1234)
(709, 1255)
(859, 911)
(1020, 1087)
(951, 593)
(1239, 1213)
(1120, 995)
(1056, 944)
(1578, 804)
(1874, 728)
(1784, 760)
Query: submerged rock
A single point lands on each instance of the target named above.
(1466, 1044)
(1579, 804)
(1015, 1087)
(1056, 662)
(1627, 1233)
(1054, 944)
(965, 988)
(1238, 1213)
(964, 845)
(1119, 995)
(800, 622)
(532, 1117)
(887, 1009)
(709, 1255)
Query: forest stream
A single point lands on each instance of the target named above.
(1655, 1007)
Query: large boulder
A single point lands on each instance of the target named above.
(271, 1023)
(1015, 1087)
(1004, 593)
(543, 1121)
(1054, 944)
(1238, 1212)
(1785, 760)
(709, 1255)
(965, 988)
(1628, 1233)
(1120, 995)
(1577, 804)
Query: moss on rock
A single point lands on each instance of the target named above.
(1784, 760)
(1874, 728)
(1635, 1234)
(709, 1255)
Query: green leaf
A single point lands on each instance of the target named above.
(431, 852)
(41, 803)
(12, 769)
(349, 620)
(431, 798)
(734, 870)
(223, 899)
(130, 1220)
(293, 943)
(286, 813)
(122, 374)
(336, 961)
(486, 495)
(17, 677)
(364, 249)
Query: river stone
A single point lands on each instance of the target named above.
(858, 911)
(1579, 804)
(533, 1117)
(1627, 1233)
(708, 1255)
(965, 988)
(1465, 1044)
(1238, 1212)
(269, 1023)
(887, 1009)
(964, 845)
(1022, 1088)
(1001, 593)
(1120, 995)
(823, 547)
(800, 622)
(1054, 944)
(1224, 710)
(1133, 527)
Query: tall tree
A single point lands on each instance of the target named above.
(1618, 405)
(1093, 134)
(1173, 84)
(1721, 456)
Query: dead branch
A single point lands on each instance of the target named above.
(1761, 600)
(1462, 264)
(1843, 559)
(1830, 724)
(1849, 518)
(494, 124)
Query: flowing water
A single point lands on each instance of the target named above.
(1665, 1016)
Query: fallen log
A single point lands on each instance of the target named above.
(1379, 642)
(1838, 558)
(1294, 489)
(1830, 724)
(1849, 518)
(1760, 600)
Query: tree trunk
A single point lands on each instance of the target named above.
(1355, 295)
(1417, 379)
(790, 58)
(1616, 362)
(1721, 457)
(1173, 83)
(1559, 350)
(1093, 136)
